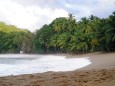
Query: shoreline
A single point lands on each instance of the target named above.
(94, 77)
(100, 73)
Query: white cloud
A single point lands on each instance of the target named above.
(32, 14)
(30, 17)
(104, 8)
(82, 10)
(100, 8)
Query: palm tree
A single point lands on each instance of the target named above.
(71, 17)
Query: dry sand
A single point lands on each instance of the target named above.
(100, 73)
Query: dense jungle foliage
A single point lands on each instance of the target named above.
(66, 35)
(63, 35)
(14, 40)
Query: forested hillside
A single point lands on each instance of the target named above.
(63, 35)
(66, 35)
(14, 40)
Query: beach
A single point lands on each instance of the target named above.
(101, 72)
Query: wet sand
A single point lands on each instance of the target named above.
(100, 73)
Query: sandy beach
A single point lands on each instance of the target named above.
(101, 72)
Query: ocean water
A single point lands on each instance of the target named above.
(16, 64)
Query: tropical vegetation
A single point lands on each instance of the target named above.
(14, 40)
(62, 35)
(67, 35)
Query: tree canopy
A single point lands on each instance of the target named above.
(66, 35)
(62, 35)
(13, 39)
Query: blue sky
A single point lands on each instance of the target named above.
(32, 14)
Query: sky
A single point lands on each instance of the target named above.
(33, 14)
